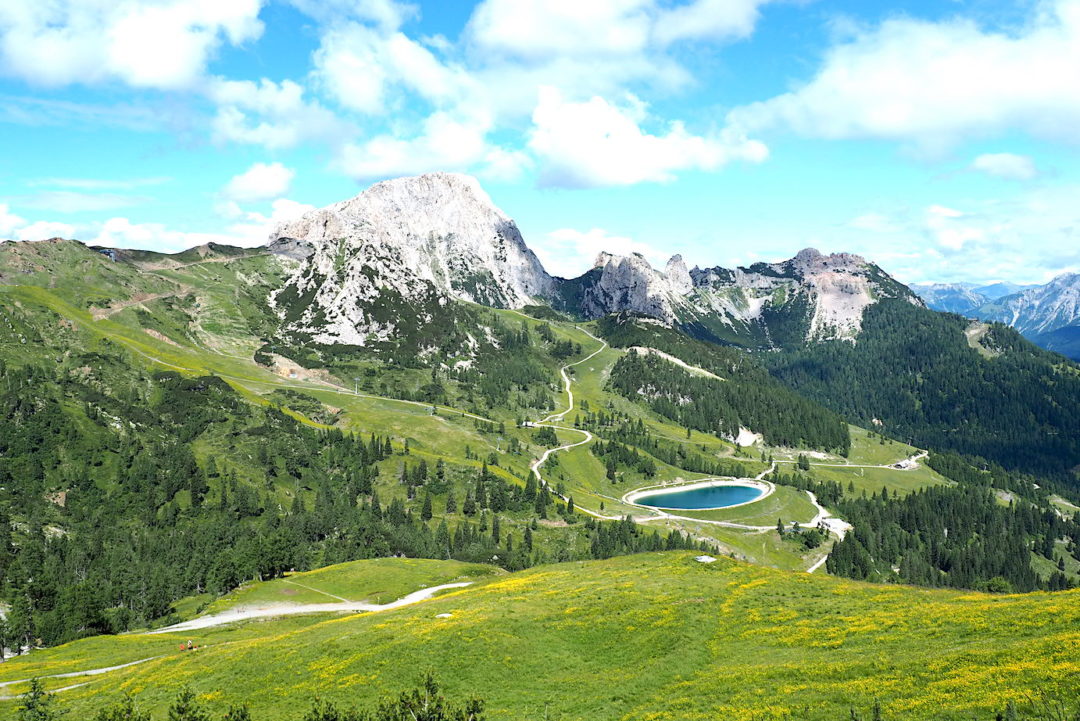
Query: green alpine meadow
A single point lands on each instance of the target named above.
(537, 360)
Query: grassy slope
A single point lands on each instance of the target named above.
(658, 636)
(213, 326)
(378, 580)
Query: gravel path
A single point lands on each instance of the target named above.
(245, 613)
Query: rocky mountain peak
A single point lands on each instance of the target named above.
(678, 275)
(415, 238)
(810, 261)
(629, 282)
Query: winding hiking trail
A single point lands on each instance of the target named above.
(74, 674)
(823, 517)
(114, 308)
(245, 613)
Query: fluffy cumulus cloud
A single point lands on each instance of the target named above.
(536, 30)
(950, 228)
(274, 115)
(1007, 166)
(262, 181)
(144, 43)
(243, 227)
(595, 143)
(448, 100)
(444, 143)
(121, 232)
(361, 66)
(9, 222)
(568, 252)
(15, 227)
(932, 84)
(237, 227)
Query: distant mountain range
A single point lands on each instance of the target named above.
(1047, 314)
(412, 244)
(406, 276)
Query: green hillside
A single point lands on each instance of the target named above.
(915, 371)
(169, 455)
(661, 636)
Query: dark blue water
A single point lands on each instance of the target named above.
(697, 498)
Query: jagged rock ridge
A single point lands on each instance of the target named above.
(403, 249)
(814, 296)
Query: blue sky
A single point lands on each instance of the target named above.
(937, 138)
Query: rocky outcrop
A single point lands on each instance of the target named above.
(629, 283)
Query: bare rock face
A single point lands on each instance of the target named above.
(393, 259)
(824, 296)
(1041, 309)
(630, 283)
(678, 276)
(418, 240)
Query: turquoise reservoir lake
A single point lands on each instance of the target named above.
(701, 497)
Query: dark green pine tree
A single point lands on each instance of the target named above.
(37, 704)
(186, 707)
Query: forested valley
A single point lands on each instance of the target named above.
(174, 485)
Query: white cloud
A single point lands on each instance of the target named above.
(595, 143)
(443, 143)
(1026, 238)
(568, 253)
(949, 229)
(1006, 166)
(239, 227)
(387, 14)
(9, 222)
(708, 19)
(121, 232)
(349, 67)
(443, 101)
(262, 181)
(14, 227)
(140, 42)
(537, 30)
(43, 230)
(253, 229)
(932, 84)
(247, 229)
(274, 115)
(360, 66)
